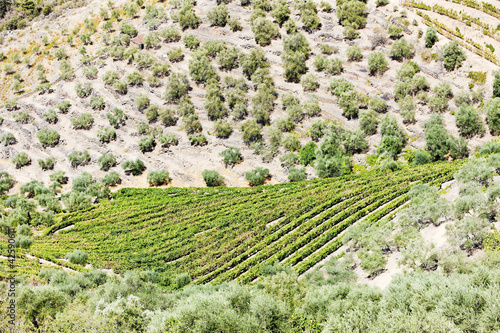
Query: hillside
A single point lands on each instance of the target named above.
(91, 45)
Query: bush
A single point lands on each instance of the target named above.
(158, 178)
(106, 161)
(281, 12)
(407, 109)
(141, 102)
(48, 137)
(191, 41)
(235, 24)
(309, 82)
(198, 139)
(116, 118)
(401, 49)
(110, 77)
(311, 107)
(97, 102)
(175, 55)
(453, 55)
(377, 63)
(496, 84)
(257, 176)
(228, 58)
(120, 87)
(469, 122)
(147, 144)
(368, 122)
(135, 167)
(111, 179)
(231, 156)
(201, 69)
(191, 123)
(492, 110)
(8, 139)
(285, 124)
(218, 16)
(393, 136)
(128, 29)
(135, 79)
(339, 86)
(308, 153)
(290, 142)
(83, 90)
(431, 37)
(78, 158)
(21, 159)
(6, 182)
(167, 140)
(59, 177)
(394, 31)
(327, 49)
(187, 18)
(297, 174)
(352, 14)
(222, 129)
(354, 53)
(421, 158)
(46, 164)
(50, 116)
(90, 72)
(212, 178)
(84, 121)
(264, 31)
(77, 257)
(251, 131)
(176, 87)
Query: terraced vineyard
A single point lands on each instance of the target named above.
(229, 233)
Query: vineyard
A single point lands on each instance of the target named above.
(222, 234)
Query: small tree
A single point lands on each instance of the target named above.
(377, 63)
(430, 37)
(231, 156)
(21, 159)
(297, 174)
(222, 129)
(354, 53)
(212, 178)
(158, 178)
(309, 82)
(78, 158)
(83, 121)
(107, 161)
(469, 122)
(176, 87)
(250, 131)
(496, 84)
(401, 49)
(492, 110)
(257, 176)
(308, 153)
(111, 179)
(368, 121)
(48, 137)
(453, 55)
(218, 16)
(147, 143)
(77, 257)
(135, 167)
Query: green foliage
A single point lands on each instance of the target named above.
(77, 257)
(222, 129)
(309, 82)
(83, 90)
(191, 123)
(368, 121)
(402, 49)
(135, 167)
(257, 176)
(492, 110)
(147, 143)
(201, 69)
(228, 58)
(251, 131)
(50, 116)
(177, 86)
(79, 158)
(231, 156)
(291, 142)
(394, 31)
(8, 139)
(297, 174)
(158, 178)
(453, 55)
(116, 118)
(83, 121)
(469, 122)
(48, 137)
(235, 24)
(111, 179)
(21, 159)
(264, 31)
(46, 164)
(354, 53)
(430, 37)
(393, 136)
(212, 178)
(352, 14)
(106, 161)
(496, 83)
(377, 63)
(308, 153)
(281, 12)
(198, 139)
(191, 41)
(218, 16)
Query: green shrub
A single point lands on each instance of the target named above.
(402, 49)
(8, 139)
(48, 137)
(97, 102)
(327, 49)
(368, 121)
(377, 63)
(135, 167)
(212, 178)
(141, 102)
(285, 124)
(120, 87)
(50, 116)
(197, 139)
(21, 159)
(231, 156)
(110, 77)
(201, 69)
(191, 123)
(251, 131)
(79, 158)
(218, 16)
(77, 257)
(394, 31)
(111, 179)
(291, 142)
(352, 14)
(297, 174)
(6, 182)
(339, 86)
(175, 54)
(63, 106)
(228, 58)
(106, 161)
(222, 129)
(393, 136)
(407, 109)
(469, 122)
(234, 24)
(421, 158)
(492, 110)
(147, 143)
(22, 116)
(83, 121)
(135, 79)
(167, 117)
(289, 160)
(176, 87)
(453, 55)
(309, 82)
(158, 178)
(46, 164)
(128, 29)
(264, 31)
(191, 41)
(354, 53)
(167, 140)
(431, 37)
(257, 176)
(83, 90)
(308, 153)
(116, 118)
(187, 18)
(59, 177)
(90, 72)
(311, 107)
(334, 66)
